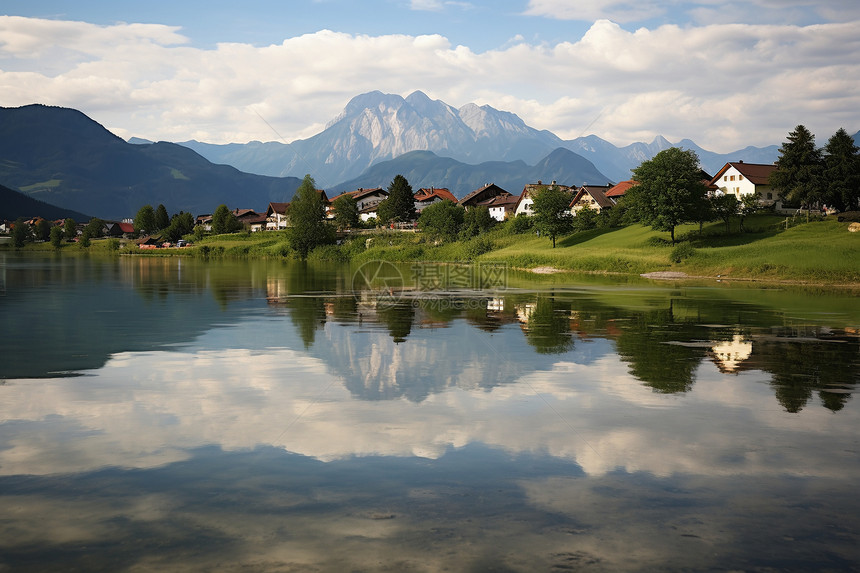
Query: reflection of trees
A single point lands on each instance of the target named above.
(548, 326)
(645, 344)
(307, 312)
(398, 318)
(828, 364)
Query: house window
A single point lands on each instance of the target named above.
(769, 196)
(740, 177)
(725, 177)
(732, 178)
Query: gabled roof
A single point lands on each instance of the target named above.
(323, 196)
(426, 194)
(531, 188)
(597, 193)
(756, 173)
(126, 227)
(619, 189)
(280, 208)
(486, 192)
(362, 193)
(502, 200)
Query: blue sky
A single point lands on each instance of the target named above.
(725, 74)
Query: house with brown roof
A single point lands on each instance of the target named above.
(591, 196)
(501, 206)
(740, 179)
(526, 198)
(276, 216)
(429, 195)
(485, 193)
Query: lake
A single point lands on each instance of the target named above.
(174, 414)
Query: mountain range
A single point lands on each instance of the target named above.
(64, 158)
(376, 127)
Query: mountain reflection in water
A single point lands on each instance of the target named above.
(161, 414)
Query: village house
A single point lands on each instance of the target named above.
(429, 195)
(617, 191)
(368, 200)
(591, 196)
(477, 196)
(501, 206)
(276, 216)
(741, 179)
(526, 199)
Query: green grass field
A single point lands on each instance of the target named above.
(819, 252)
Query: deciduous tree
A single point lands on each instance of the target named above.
(345, 211)
(144, 221)
(443, 219)
(70, 229)
(670, 190)
(307, 217)
(224, 221)
(477, 220)
(56, 237)
(552, 214)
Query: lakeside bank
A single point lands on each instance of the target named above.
(816, 253)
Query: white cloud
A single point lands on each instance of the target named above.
(724, 85)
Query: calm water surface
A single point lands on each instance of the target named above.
(176, 414)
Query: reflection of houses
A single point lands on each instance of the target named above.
(526, 198)
(741, 179)
(729, 354)
(427, 196)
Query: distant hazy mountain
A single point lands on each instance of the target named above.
(426, 169)
(377, 127)
(64, 158)
(618, 162)
(14, 204)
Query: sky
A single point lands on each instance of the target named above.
(724, 74)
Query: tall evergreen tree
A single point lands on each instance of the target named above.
(399, 207)
(670, 190)
(307, 218)
(162, 219)
(842, 172)
(798, 174)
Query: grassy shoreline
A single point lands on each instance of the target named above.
(815, 253)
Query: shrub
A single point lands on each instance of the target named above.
(681, 252)
(477, 247)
